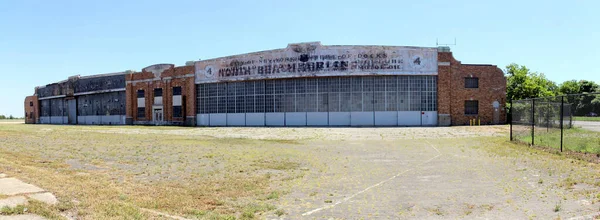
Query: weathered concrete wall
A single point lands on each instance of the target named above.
(95, 84)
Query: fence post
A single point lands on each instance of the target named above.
(562, 106)
(532, 122)
(511, 120)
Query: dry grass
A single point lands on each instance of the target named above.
(116, 172)
(112, 175)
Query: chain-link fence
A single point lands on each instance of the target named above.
(564, 123)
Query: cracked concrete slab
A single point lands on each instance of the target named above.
(22, 217)
(13, 202)
(12, 186)
(47, 198)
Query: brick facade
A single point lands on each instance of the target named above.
(452, 93)
(32, 113)
(166, 77)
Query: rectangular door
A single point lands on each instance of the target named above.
(72, 114)
(158, 116)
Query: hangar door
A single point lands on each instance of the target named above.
(397, 100)
(72, 105)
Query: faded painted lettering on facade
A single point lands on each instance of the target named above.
(312, 59)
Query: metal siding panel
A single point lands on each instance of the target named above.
(409, 118)
(72, 111)
(430, 118)
(317, 119)
(275, 119)
(295, 119)
(339, 118)
(203, 119)
(236, 119)
(255, 119)
(44, 120)
(218, 119)
(362, 119)
(81, 120)
(386, 118)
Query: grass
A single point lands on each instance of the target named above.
(582, 118)
(18, 210)
(121, 170)
(557, 207)
(574, 139)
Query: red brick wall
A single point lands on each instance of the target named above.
(32, 112)
(452, 93)
(169, 78)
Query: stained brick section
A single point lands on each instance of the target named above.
(31, 109)
(452, 93)
(166, 79)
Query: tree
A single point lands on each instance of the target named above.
(2, 117)
(523, 84)
(569, 87)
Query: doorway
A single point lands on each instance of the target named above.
(157, 116)
(496, 106)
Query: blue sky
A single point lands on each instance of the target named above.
(46, 41)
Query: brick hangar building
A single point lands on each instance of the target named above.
(305, 84)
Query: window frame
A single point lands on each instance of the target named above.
(476, 80)
(179, 92)
(158, 90)
(467, 107)
(141, 94)
(143, 111)
(178, 114)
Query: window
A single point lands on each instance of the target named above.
(141, 112)
(158, 92)
(177, 90)
(30, 103)
(471, 107)
(177, 112)
(31, 115)
(140, 93)
(471, 82)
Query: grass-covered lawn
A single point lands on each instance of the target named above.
(581, 118)
(575, 139)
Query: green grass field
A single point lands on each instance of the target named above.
(574, 139)
(580, 118)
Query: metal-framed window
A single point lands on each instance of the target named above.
(177, 90)
(140, 93)
(471, 107)
(141, 112)
(471, 82)
(158, 92)
(177, 112)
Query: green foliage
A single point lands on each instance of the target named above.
(523, 83)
